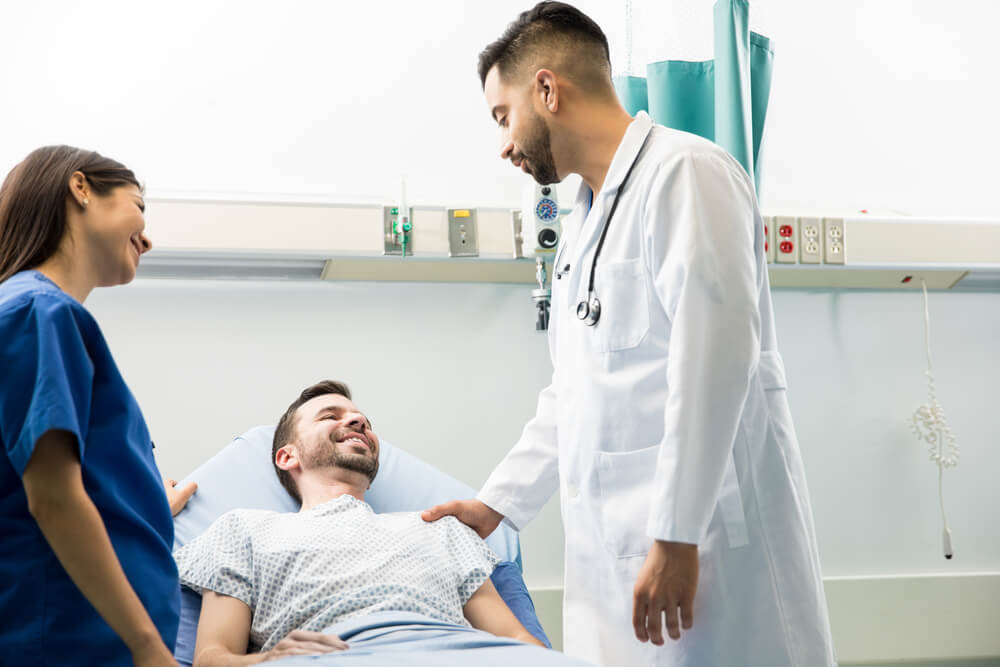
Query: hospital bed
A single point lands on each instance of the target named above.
(242, 476)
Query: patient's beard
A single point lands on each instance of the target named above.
(329, 455)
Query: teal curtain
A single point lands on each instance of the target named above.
(724, 99)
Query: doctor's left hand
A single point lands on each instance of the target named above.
(667, 582)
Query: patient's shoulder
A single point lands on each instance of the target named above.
(447, 526)
(455, 527)
(412, 521)
(250, 515)
(244, 520)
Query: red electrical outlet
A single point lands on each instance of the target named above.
(786, 238)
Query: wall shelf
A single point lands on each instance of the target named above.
(214, 239)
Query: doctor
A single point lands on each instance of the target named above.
(666, 428)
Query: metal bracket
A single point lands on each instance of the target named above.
(517, 230)
(393, 235)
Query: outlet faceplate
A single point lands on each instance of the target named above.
(463, 233)
(810, 240)
(769, 250)
(834, 240)
(786, 239)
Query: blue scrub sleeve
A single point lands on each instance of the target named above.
(48, 377)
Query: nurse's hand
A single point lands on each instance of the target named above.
(667, 581)
(475, 514)
(178, 498)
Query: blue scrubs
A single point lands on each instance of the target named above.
(57, 373)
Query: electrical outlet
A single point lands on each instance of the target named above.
(769, 250)
(786, 239)
(810, 240)
(834, 240)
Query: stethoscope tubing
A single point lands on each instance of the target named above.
(589, 311)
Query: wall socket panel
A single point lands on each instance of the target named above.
(463, 233)
(810, 240)
(834, 240)
(769, 250)
(786, 239)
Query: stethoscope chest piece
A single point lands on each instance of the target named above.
(589, 312)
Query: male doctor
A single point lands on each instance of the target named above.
(666, 427)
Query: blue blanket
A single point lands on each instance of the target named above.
(401, 638)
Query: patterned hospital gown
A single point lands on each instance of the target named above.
(312, 569)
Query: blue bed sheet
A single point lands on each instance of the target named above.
(402, 638)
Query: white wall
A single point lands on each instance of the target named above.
(887, 106)
(855, 365)
(884, 106)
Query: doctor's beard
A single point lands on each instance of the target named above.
(329, 455)
(537, 149)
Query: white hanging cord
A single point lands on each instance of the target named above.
(628, 38)
(928, 424)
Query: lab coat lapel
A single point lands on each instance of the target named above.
(628, 149)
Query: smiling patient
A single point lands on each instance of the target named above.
(274, 583)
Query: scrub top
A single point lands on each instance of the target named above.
(57, 373)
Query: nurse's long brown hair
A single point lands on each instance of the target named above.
(33, 201)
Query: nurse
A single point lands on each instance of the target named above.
(666, 428)
(85, 557)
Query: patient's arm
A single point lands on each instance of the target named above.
(487, 611)
(224, 632)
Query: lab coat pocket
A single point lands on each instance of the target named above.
(621, 289)
(772, 371)
(626, 488)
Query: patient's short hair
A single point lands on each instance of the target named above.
(556, 36)
(285, 430)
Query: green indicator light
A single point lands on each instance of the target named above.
(394, 211)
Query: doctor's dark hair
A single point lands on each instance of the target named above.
(34, 196)
(545, 32)
(284, 432)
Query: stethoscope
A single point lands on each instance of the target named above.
(589, 310)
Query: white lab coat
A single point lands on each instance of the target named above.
(669, 420)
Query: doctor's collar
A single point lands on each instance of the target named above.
(628, 149)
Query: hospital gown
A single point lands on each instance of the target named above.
(336, 561)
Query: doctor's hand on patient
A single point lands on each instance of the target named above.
(667, 582)
(475, 514)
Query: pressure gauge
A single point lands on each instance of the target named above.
(546, 209)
